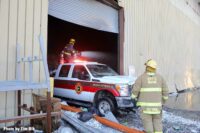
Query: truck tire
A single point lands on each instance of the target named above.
(105, 105)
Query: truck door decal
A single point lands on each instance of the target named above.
(78, 88)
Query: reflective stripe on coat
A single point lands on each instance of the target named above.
(151, 90)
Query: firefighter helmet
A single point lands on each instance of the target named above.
(151, 63)
(72, 41)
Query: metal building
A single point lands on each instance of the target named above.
(21, 21)
(167, 31)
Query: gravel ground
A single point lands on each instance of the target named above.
(174, 121)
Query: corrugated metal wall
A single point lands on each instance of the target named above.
(21, 21)
(89, 13)
(157, 29)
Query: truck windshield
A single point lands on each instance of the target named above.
(101, 70)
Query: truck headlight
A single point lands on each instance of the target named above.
(123, 90)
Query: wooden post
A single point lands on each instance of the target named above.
(48, 124)
(19, 104)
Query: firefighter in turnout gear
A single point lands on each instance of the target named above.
(68, 51)
(150, 91)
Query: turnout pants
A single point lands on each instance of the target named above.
(152, 123)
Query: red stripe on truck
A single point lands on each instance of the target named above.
(86, 86)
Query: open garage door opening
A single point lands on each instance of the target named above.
(93, 45)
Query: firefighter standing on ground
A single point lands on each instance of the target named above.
(68, 51)
(150, 91)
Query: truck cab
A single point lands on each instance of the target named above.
(95, 83)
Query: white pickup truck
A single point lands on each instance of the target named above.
(94, 83)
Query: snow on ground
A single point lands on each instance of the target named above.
(172, 122)
(170, 117)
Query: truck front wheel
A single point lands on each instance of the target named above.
(105, 105)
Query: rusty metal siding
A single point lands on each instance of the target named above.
(21, 21)
(158, 29)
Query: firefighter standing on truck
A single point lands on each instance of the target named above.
(150, 91)
(68, 52)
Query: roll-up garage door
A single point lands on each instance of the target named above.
(89, 13)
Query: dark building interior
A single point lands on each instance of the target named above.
(94, 45)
